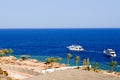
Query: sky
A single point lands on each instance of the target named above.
(59, 13)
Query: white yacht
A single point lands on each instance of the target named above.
(75, 48)
(110, 52)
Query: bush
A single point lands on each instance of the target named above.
(1, 71)
(5, 73)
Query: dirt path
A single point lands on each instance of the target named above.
(74, 74)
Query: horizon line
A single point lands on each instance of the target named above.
(68, 28)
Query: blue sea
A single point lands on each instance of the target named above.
(43, 43)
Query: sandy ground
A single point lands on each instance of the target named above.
(21, 69)
(14, 73)
(74, 74)
(18, 75)
(30, 69)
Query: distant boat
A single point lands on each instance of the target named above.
(110, 52)
(75, 48)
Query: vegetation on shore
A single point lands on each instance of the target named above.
(69, 55)
(5, 51)
(95, 66)
(112, 65)
(51, 60)
(77, 58)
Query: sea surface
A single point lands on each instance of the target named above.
(43, 43)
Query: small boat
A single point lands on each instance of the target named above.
(110, 52)
(75, 48)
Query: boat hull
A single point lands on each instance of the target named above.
(75, 48)
(109, 52)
